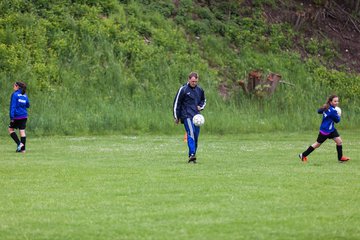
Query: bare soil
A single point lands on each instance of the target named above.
(332, 21)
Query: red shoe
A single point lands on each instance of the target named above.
(304, 159)
(344, 159)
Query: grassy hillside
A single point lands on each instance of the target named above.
(115, 66)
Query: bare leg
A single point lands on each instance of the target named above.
(316, 145)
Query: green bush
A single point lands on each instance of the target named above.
(104, 66)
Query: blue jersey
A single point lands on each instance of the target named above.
(18, 105)
(187, 100)
(330, 117)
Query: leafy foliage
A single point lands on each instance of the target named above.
(339, 82)
(94, 65)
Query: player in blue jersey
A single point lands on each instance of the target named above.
(189, 101)
(19, 103)
(327, 129)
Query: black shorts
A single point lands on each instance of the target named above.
(322, 138)
(18, 123)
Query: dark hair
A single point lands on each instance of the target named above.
(22, 86)
(193, 74)
(328, 101)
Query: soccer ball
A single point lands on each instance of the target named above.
(198, 120)
(338, 110)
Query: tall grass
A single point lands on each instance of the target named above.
(114, 103)
(112, 67)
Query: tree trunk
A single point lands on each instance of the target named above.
(273, 79)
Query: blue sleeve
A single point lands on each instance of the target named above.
(12, 106)
(320, 111)
(335, 116)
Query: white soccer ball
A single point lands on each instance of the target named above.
(198, 120)
(338, 110)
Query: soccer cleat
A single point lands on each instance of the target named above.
(344, 159)
(304, 159)
(192, 159)
(20, 147)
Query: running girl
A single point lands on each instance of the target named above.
(327, 129)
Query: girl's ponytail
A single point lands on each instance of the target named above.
(22, 86)
(328, 101)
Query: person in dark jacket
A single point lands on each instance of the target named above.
(189, 101)
(19, 103)
(327, 129)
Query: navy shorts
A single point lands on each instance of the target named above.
(322, 138)
(18, 123)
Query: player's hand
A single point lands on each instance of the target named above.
(176, 120)
(199, 108)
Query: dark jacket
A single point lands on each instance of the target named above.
(186, 101)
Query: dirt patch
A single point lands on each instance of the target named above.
(331, 21)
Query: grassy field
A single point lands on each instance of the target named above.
(249, 186)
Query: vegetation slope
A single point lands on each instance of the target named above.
(114, 66)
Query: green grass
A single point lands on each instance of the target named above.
(248, 186)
